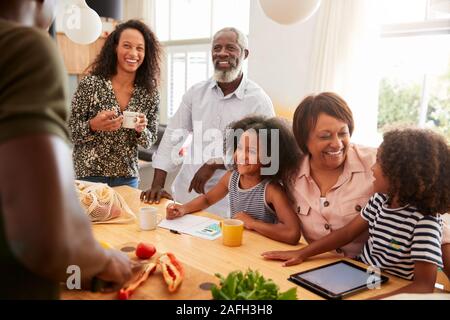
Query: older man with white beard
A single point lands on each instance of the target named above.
(205, 111)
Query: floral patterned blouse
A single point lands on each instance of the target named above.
(109, 153)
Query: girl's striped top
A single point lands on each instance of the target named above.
(251, 201)
(399, 237)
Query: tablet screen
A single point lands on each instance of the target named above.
(337, 278)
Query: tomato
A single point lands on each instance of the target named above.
(145, 250)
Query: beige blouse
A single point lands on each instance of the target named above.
(343, 202)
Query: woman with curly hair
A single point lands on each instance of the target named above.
(124, 77)
(266, 158)
(412, 189)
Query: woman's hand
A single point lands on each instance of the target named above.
(106, 120)
(174, 211)
(244, 217)
(141, 123)
(292, 257)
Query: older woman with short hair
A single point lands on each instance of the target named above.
(335, 178)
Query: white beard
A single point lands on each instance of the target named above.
(230, 75)
(227, 76)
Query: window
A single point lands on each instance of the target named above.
(186, 65)
(415, 64)
(185, 27)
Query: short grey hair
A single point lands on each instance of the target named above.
(242, 39)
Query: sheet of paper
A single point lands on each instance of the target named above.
(207, 230)
(202, 227)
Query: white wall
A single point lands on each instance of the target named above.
(280, 62)
(280, 58)
(138, 9)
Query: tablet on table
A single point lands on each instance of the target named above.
(338, 280)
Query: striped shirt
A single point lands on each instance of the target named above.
(399, 237)
(251, 201)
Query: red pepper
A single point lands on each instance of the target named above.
(172, 270)
(126, 292)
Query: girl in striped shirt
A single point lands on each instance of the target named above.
(266, 157)
(412, 185)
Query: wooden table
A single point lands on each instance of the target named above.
(204, 258)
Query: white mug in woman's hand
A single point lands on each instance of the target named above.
(129, 119)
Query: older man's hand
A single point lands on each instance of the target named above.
(201, 177)
(155, 194)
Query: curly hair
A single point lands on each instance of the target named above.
(148, 74)
(288, 152)
(416, 163)
(308, 111)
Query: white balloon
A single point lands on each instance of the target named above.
(80, 23)
(289, 11)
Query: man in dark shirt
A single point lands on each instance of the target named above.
(43, 229)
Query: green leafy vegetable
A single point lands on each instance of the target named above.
(249, 286)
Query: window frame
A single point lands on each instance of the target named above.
(427, 27)
(171, 46)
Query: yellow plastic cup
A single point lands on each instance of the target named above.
(232, 231)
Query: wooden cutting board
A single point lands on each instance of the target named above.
(155, 288)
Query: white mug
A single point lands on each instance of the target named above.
(129, 119)
(149, 218)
